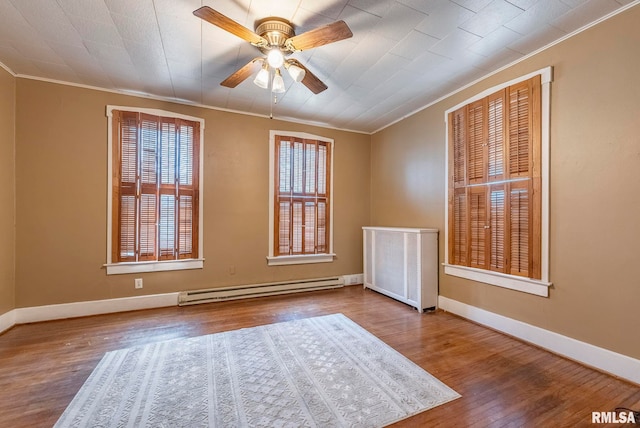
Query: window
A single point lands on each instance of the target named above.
(300, 198)
(155, 199)
(495, 193)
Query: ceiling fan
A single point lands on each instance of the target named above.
(276, 39)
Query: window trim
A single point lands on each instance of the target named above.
(273, 260)
(160, 265)
(532, 286)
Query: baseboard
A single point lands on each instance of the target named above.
(107, 306)
(94, 307)
(7, 320)
(599, 358)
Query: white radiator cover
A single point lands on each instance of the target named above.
(257, 290)
(402, 263)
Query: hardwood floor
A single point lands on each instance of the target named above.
(503, 382)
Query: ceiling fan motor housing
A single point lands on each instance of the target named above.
(276, 31)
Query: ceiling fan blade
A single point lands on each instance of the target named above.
(241, 75)
(310, 80)
(335, 32)
(219, 20)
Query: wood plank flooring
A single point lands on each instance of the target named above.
(503, 382)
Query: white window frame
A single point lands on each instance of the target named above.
(539, 287)
(151, 266)
(302, 258)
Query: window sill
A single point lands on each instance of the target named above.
(140, 267)
(300, 260)
(512, 282)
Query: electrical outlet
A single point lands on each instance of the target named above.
(138, 282)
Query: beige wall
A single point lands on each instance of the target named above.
(62, 201)
(7, 191)
(595, 188)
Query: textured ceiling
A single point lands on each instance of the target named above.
(403, 54)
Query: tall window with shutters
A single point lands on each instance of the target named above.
(301, 197)
(495, 182)
(155, 195)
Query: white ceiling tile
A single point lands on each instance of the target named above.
(236, 10)
(374, 7)
(491, 17)
(179, 35)
(499, 58)
(495, 41)
(138, 8)
(55, 71)
(413, 44)
(146, 57)
(472, 5)
(139, 30)
(526, 4)
(305, 20)
(184, 70)
(73, 54)
(49, 20)
(158, 88)
(381, 71)
(187, 89)
(95, 10)
(219, 67)
(398, 22)
(539, 14)
(426, 7)
(96, 31)
(240, 101)
(443, 19)
(360, 22)
(331, 10)
(574, 3)
(584, 14)
(455, 44)
(93, 79)
(116, 55)
(264, 9)
(179, 9)
(426, 61)
(332, 55)
(12, 22)
(469, 60)
(544, 35)
(39, 52)
(16, 62)
(216, 95)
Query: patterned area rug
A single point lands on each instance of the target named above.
(317, 372)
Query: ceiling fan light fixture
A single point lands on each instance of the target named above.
(275, 58)
(278, 83)
(296, 73)
(262, 78)
(275, 37)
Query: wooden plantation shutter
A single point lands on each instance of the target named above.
(155, 187)
(494, 182)
(476, 142)
(478, 217)
(302, 196)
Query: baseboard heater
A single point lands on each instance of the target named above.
(257, 290)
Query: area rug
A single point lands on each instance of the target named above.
(316, 372)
